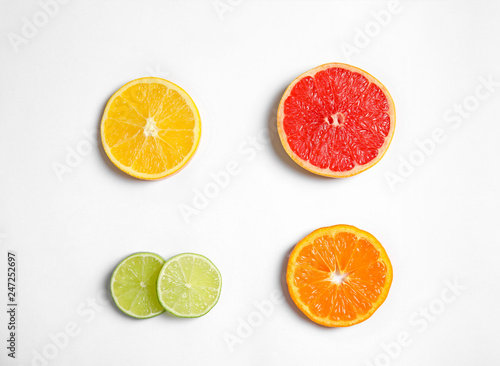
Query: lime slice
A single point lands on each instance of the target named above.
(133, 285)
(189, 285)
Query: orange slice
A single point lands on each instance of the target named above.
(150, 128)
(339, 275)
(336, 120)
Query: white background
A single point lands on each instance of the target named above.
(438, 223)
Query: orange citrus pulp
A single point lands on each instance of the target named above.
(339, 275)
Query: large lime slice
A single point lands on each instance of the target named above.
(133, 285)
(189, 285)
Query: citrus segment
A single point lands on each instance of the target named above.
(336, 120)
(189, 285)
(133, 285)
(339, 275)
(150, 128)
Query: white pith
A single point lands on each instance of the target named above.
(337, 277)
(151, 129)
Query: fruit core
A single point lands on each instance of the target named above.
(336, 119)
(150, 129)
(337, 277)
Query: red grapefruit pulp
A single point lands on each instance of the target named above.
(336, 120)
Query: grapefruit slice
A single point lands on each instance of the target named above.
(336, 120)
(339, 275)
(150, 128)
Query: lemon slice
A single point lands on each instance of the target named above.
(151, 128)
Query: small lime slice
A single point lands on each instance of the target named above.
(133, 285)
(189, 285)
